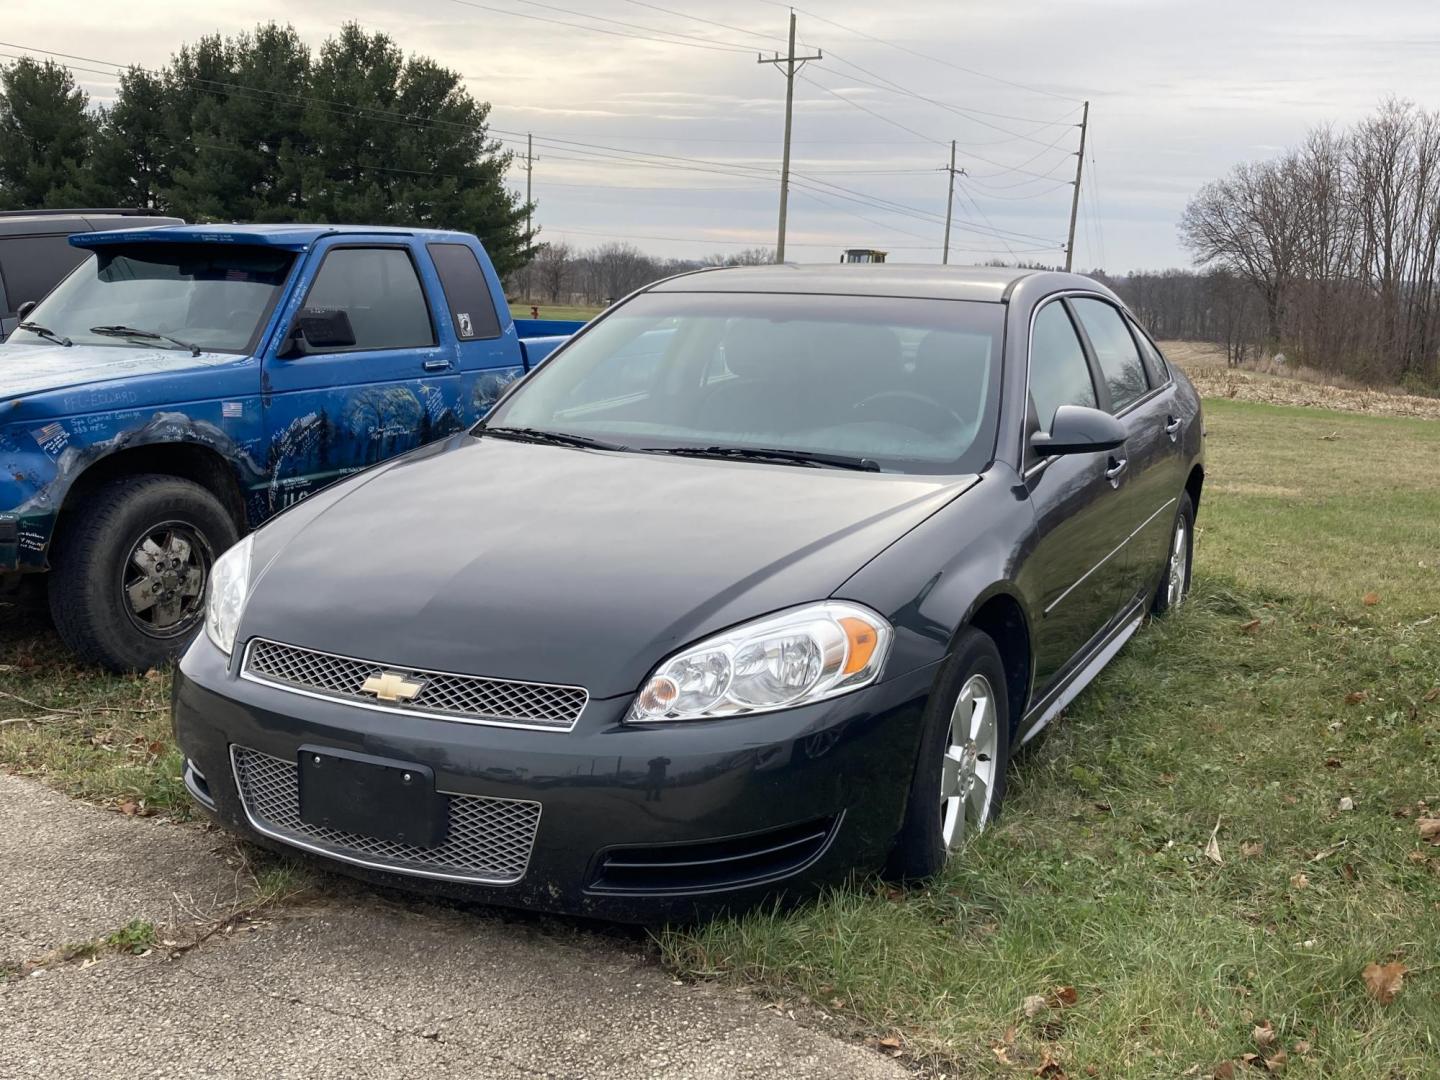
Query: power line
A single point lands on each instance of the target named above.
(879, 116)
(924, 56)
(714, 47)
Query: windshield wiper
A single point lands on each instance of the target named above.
(151, 335)
(554, 438)
(812, 458)
(46, 333)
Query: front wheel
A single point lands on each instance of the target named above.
(959, 779)
(1175, 583)
(128, 591)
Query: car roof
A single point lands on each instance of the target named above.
(49, 223)
(283, 236)
(984, 283)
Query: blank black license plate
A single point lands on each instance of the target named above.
(377, 797)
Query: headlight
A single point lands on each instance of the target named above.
(794, 658)
(229, 583)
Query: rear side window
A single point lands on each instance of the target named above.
(33, 265)
(1114, 350)
(378, 289)
(1155, 364)
(472, 311)
(1059, 372)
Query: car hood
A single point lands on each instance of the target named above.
(27, 370)
(552, 564)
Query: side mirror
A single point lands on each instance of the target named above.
(23, 311)
(1078, 429)
(324, 328)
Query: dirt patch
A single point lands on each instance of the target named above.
(1205, 364)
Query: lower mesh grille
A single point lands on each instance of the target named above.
(489, 840)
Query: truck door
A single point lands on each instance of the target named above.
(489, 358)
(332, 410)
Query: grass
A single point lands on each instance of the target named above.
(1276, 692)
(580, 312)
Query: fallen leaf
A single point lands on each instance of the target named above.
(1251, 627)
(1051, 1069)
(1302, 1048)
(129, 808)
(1034, 1005)
(1264, 1034)
(1383, 981)
(1252, 849)
(1355, 697)
(1333, 763)
(1432, 695)
(156, 748)
(1212, 848)
(1066, 996)
(1429, 830)
(1299, 881)
(1252, 1059)
(1418, 857)
(1371, 599)
(153, 675)
(1224, 1071)
(1277, 1061)
(889, 1042)
(1001, 1055)
(1347, 803)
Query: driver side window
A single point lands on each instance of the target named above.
(1059, 372)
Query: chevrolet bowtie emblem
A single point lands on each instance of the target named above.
(390, 686)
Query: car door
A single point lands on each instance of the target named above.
(1145, 404)
(1072, 574)
(489, 362)
(333, 410)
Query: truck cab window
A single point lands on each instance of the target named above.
(380, 292)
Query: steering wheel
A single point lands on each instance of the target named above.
(944, 418)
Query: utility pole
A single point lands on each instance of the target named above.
(529, 169)
(792, 65)
(950, 203)
(1075, 195)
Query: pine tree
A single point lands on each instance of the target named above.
(45, 138)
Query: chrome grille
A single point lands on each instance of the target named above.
(489, 840)
(455, 697)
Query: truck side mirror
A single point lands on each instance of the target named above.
(324, 328)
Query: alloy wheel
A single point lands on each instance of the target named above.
(967, 774)
(164, 579)
(1179, 566)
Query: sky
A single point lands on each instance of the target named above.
(655, 124)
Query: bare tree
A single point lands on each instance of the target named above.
(553, 268)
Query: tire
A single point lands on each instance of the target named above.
(1175, 578)
(921, 848)
(101, 561)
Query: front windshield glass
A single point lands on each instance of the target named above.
(212, 296)
(910, 385)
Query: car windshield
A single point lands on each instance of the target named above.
(211, 296)
(903, 385)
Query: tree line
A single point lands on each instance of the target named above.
(258, 128)
(562, 274)
(1331, 250)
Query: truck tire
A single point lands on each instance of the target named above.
(127, 589)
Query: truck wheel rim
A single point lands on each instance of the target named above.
(967, 772)
(1179, 566)
(163, 579)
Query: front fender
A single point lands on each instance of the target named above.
(41, 462)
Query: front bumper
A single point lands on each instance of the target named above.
(610, 797)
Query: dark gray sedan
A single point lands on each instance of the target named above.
(755, 582)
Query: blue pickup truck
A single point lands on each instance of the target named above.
(183, 384)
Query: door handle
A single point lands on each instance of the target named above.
(1172, 427)
(437, 365)
(1116, 468)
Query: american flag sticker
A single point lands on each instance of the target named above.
(52, 438)
(232, 410)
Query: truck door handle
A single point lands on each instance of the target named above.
(1116, 468)
(437, 365)
(1172, 426)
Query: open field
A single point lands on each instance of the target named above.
(1291, 710)
(579, 312)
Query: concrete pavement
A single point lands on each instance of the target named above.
(357, 983)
